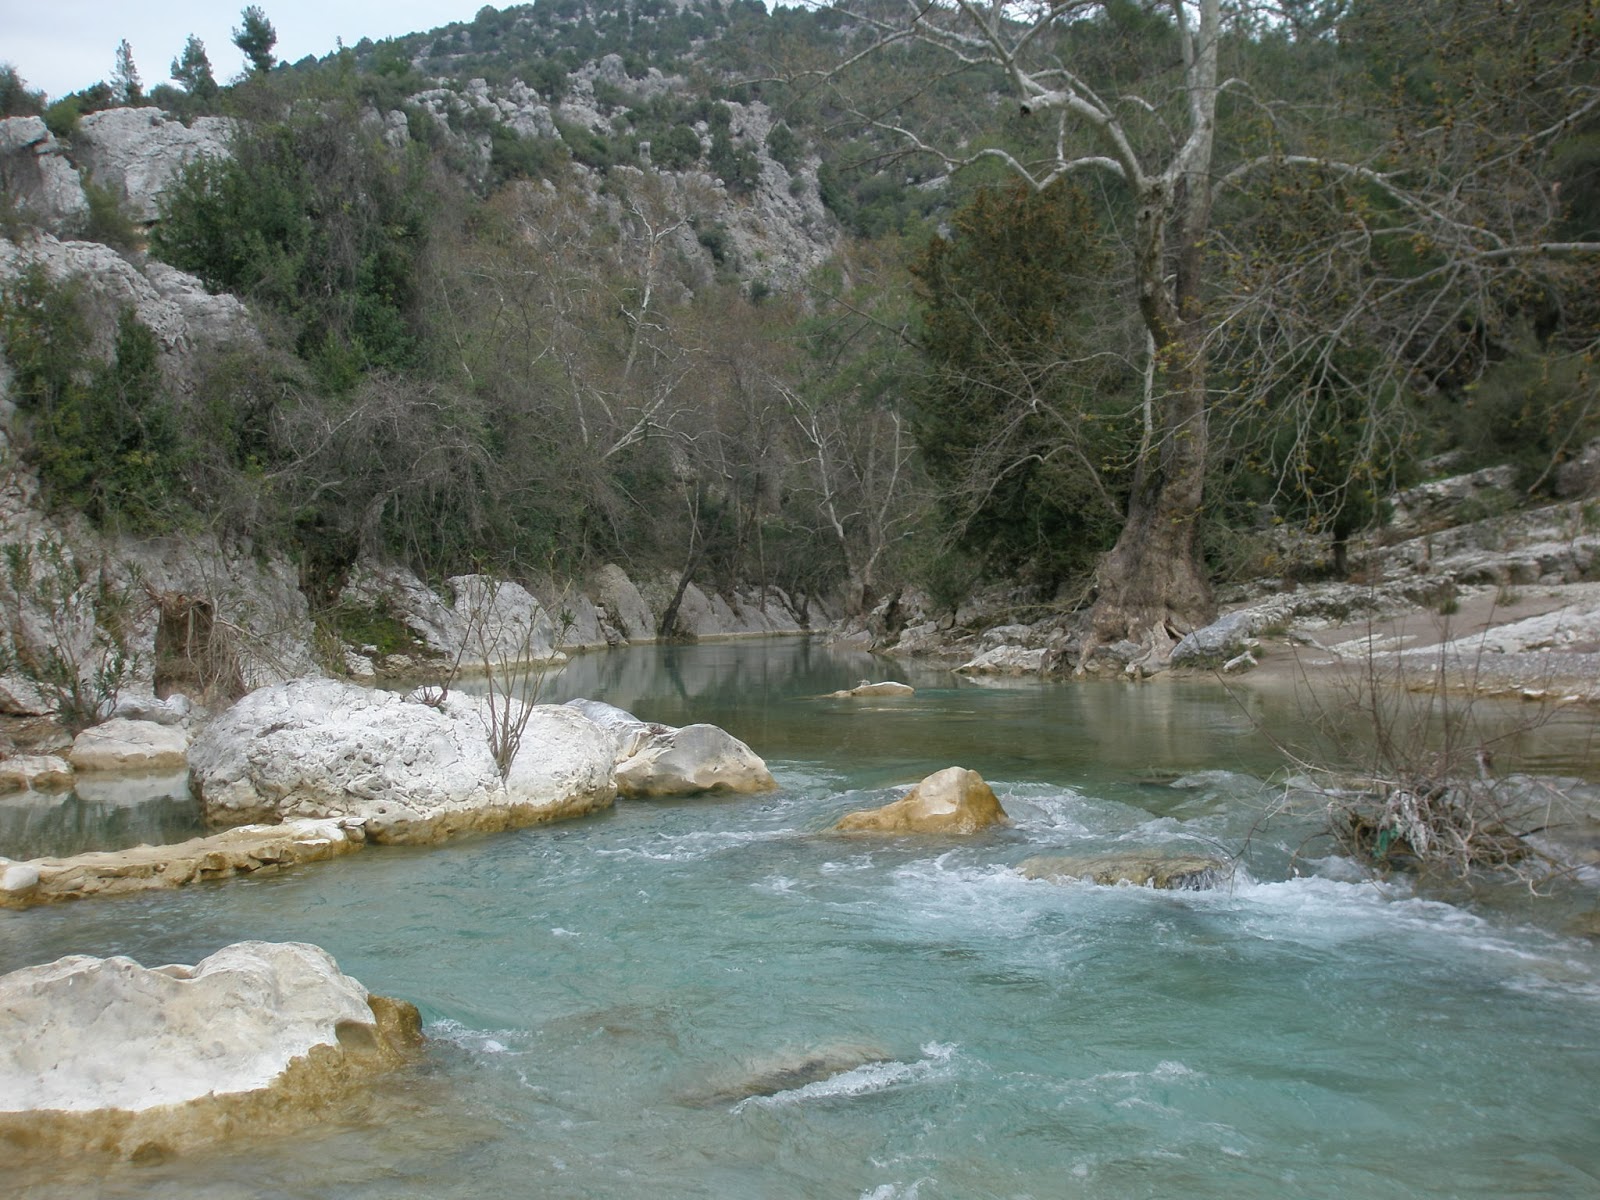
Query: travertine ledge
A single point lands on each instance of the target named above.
(239, 851)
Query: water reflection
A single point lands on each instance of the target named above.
(101, 813)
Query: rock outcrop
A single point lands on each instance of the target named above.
(654, 760)
(1187, 872)
(952, 801)
(175, 305)
(138, 152)
(242, 851)
(37, 177)
(412, 771)
(106, 1057)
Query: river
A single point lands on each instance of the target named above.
(599, 994)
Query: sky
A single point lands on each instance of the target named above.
(63, 45)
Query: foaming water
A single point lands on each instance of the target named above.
(717, 998)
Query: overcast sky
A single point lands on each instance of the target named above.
(64, 45)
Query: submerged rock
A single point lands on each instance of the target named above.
(886, 688)
(952, 801)
(659, 760)
(106, 1057)
(784, 1072)
(411, 771)
(1187, 872)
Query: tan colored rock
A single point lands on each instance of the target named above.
(952, 801)
(40, 772)
(1175, 872)
(887, 688)
(106, 1057)
(124, 745)
(240, 851)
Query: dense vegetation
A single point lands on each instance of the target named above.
(493, 346)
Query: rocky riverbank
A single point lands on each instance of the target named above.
(1505, 605)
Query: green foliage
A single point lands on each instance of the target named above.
(61, 118)
(1018, 416)
(376, 627)
(739, 169)
(255, 37)
(192, 69)
(17, 99)
(80, 663)
(109, 221)
(785, 147)
(514, 157)
(315, 217)
(676, 149)
(1531, 411)
(102, 435)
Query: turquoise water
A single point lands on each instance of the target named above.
(599, 992)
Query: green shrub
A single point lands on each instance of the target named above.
(102, 435)
(109, 221)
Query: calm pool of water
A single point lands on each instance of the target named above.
(598, 990)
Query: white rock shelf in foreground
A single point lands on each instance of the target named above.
(106, 1057)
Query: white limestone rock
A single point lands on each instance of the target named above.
(659, 760)
(1005, 660)
(176, 306)
(413, 771)
(146, 706)
(18, 879)
(105, 1056)
(121, 744)
(502, 623)
(22, 697)
(139, 152)
(37, 176)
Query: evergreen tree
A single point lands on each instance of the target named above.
(193, 69)
(125, 84)
(256, 37)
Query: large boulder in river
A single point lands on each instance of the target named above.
(954, 800)
(412, 771)
(1175, 872)
(660, 760)
(104, 1056)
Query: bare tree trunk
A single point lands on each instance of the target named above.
(1152, 585)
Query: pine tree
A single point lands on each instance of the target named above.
(256, 37)
(125, 85)
(193, 69)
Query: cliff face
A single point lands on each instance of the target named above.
(91, 615)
